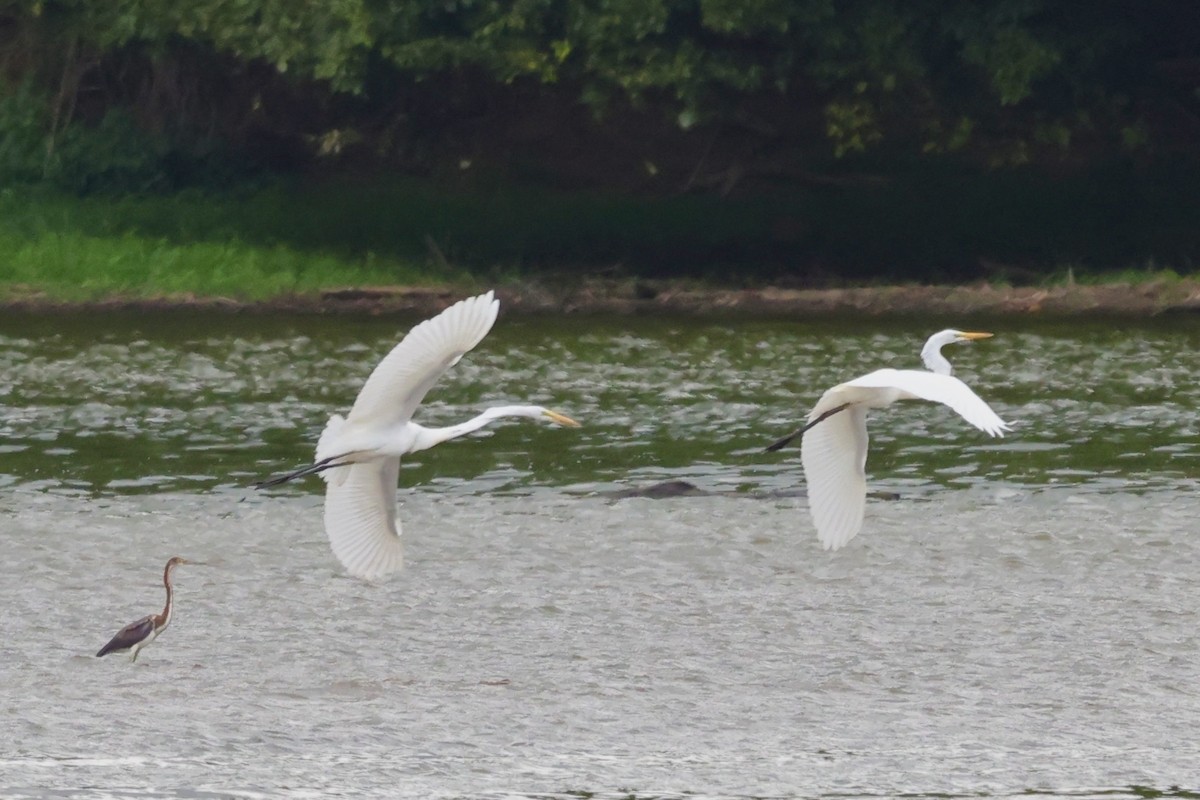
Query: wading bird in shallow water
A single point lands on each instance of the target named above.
(834, 448)
(359, 455)
(136, 635)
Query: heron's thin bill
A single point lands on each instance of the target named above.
(561, 419)
(971, 336)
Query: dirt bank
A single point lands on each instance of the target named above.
(648, 297)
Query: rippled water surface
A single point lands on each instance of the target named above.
(1022, 621)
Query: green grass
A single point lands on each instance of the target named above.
(84, 249)
(75, 267)
(1149, 273)
(303, 238)
(927, 225)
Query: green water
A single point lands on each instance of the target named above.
(133, 403)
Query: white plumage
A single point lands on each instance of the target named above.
(834, 445)
(400, 381)
(359, 455)
(360, 517)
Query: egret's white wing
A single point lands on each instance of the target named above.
(834, 454)
(399, 383)
(936, 388)
(360, 517)
(834, 451)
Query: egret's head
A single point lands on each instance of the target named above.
(963, 337)
(559, 419)
(952, 336)
(931, 353)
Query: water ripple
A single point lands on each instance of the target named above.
(103, 402)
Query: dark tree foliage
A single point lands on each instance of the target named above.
(159, 90)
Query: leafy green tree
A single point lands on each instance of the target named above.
(1008, 80)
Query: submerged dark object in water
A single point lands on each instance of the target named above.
(660, 490)
(681, 488)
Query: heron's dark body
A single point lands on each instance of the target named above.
(134, 633)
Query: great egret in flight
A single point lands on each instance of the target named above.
(136, 635)
(834, 447)
(359, 455)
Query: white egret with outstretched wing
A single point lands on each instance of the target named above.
(834, 445)
(359, 455)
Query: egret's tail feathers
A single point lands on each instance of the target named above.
(360, 519)
(333, 429)
(331, 443)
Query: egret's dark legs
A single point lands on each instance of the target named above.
(311, 469)
(781, 443)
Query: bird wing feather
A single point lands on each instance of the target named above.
(936, 388)
(834, 455)
(130, 635)
(360, 517)
(834, 451)
(400, 381)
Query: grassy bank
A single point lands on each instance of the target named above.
(78, 249)
(304, 237)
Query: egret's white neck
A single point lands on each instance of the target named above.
(428, 437)
(931, 353)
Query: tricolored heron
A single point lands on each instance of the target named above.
(136, 635)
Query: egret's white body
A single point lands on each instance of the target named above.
(834, 445)
(359, 455)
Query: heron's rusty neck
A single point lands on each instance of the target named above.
(162, 619)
